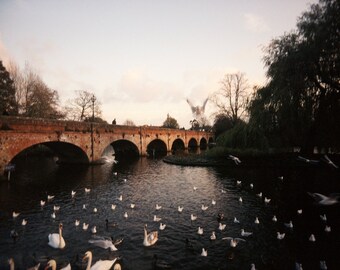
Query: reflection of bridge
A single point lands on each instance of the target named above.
(83, 142)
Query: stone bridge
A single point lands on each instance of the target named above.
(85, 142)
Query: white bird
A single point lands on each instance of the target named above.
(325, 200)
(77, 222)
(244, 233)
(240, 199)
(50, 197)
(223, 191)
(274, 218)
(236, 220)
(221, 226)
(323, 265)
(312, 238)
(103, 243)
(204, 252)
(251, 185)
(120, 197)
(56, 240)
(115, 173)
(267, 200)
(157, 219)
(113, 206)
(235, 159)
(53, 264)
(37, 266)
(280, 178)
(329, 162)
(94, 229)
(150, 238)
(200, 230)
(307, 160)
(56, 207)
(132, 205)
(42, 203)
(194, 188)
(193, 217)
(204, 207)
(53, 215)
(280, 236)
(213, 235)
(197, 111)
(158, 207)
(73, 193)
(84, 206)
(289, 225)
(99, 265)
(257, 220)
(233, 241)
(299, 211)
(213, 202)
(298, 266)
(95, 210)
(126, 215)
(87, 190)
(328, 228)
(259, 195)
(85, 226)
(238, 182)
(323, 217)
(252, 266)
(24, 222)
(180, 209)
(162, 226)
(15, 214)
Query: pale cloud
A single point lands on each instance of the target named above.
(255, 23)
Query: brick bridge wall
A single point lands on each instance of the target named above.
(17, 134)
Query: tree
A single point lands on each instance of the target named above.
(222, 123)
(83, 107)
(170, 122)
(129, 122)
(7, 92)
(300, 104)
(231, 98)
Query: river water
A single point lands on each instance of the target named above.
(147, 182)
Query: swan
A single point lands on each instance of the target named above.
(299, 211)
(126, 215)
(53, 264)
(289, 225)
(251, 185)
(267, 200)
(77, 222)
(238, 182)
(235, 159)
(312, 238)
(323, 265)
(328, 228)
(120, 197)
(157, 219)
(56, 240)
(233, 241)
(85, 226)
(252, 266)
(325, 200)
(53, 215)
(257, 220)
(236, 220)
(15, 214)
(193, 217)
(99, 265)
(158, 207)
(132, 205)
(200, 230)
(274, 218)
(87, 190)
(113, 206)
(204, 207)
(149, 238)
(240, 199)
(323, 217)
(84, 206)
(35, 267)
(56, 207)
(204, 252)
(103, 243)
(24, 222)
(50, 197)
(244, 233)
(259, 195)
(11, 263)
(42, 203)
(94, 229)
(95, 210)
(213, 202)
(73, 193)
(180, 209)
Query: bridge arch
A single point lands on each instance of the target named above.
(177, 145)
(124, 148)
(156, 148)
(203, 143)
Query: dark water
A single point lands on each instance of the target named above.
(147, 182)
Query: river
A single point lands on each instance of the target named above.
(147, 182)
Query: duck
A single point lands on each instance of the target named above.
(56, 240)
(53, 264)
(204, 252)
(150, 238)
(99, 265)
(233, 241)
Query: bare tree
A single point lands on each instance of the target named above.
(129, 122)
(231, 98)
(83, 107)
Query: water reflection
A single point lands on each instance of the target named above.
(147, 182)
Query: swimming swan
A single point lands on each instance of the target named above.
(99, 265)
(149, 238)
(56, 240)
(53, 264)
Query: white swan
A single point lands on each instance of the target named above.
(235, 159)
(85, 226)
(11, 263)
(213, 236)
(162, 226)
(312, 238)
(158, 207)
(233, 241)
(56, 207)
(244, 233)
(99, 265)
(236, 220)
(157, 219)
(180, 209)
(87, 190)
(42, 203)
(15, 214)
(213, 202)
(24, 222)
(73, 193)
(204, 207)
(77, 222)
(53, 264)
(103, 243)
(193, 217)
(221, 226)
(149, 238)
(280, 236)
(56, 240)
(113, 206)
(94, 229)
(289, 225)
(257, 220)
(274, 218)
(204, 252)
(200, 230)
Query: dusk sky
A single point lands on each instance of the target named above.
(143, 58)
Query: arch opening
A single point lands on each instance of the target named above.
(177, 146)
(203, 144)
(122, 149)
(192, 146)
(156, 148)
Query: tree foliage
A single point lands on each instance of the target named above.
(231, 98)
(222, 123)
(300, 105)
(83, 107)
(7, 92)
(170, 122)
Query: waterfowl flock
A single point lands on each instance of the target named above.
(223, 230)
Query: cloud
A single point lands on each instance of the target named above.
(255, 23)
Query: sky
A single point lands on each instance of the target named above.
(143, 58)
